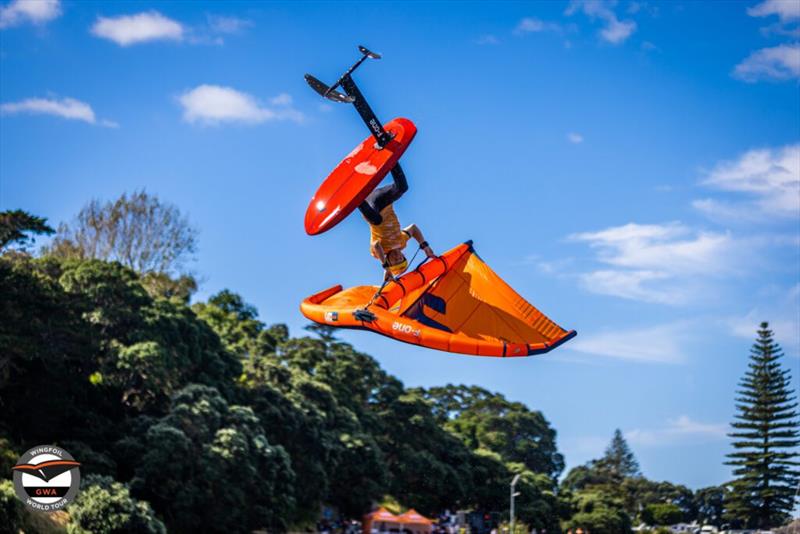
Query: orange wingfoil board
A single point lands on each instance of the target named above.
(356, 176)
(454, 303)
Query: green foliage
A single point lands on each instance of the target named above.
(16, 227)
(765, 440)
(11, 508)
(617, 475)
(8, 457)
(163, 285)
(236, 324)
(208, 466)
(485, 420)
(619, 461)
(104, 506)
(662, 514)
(709, 503)
(222, 422)
(597, 513)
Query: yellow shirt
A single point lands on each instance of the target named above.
(388, 233)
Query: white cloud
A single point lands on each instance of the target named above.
(487, 39)
(34, 11)
(655, 344)
(615, 31)
(227, 24)
(633, 285)
(682, 428)
(67, 108)
(139, 28)
(769, 176)
(672, 248)
(656, 263)
(787, 10)
(778, 63)
(283, 99)
(574, 138)
(213, 104)
(534, 25)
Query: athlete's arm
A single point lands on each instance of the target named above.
(414, 231)
(377, 249)
(381, 255)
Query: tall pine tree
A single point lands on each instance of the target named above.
(765, 434)
(619, 460)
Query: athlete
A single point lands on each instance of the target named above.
(387, 239)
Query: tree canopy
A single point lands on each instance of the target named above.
(18, 227)
(201, 417)
(138, 230)
(766, 433)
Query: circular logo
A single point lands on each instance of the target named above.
(47, 478)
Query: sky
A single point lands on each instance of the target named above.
(632, 168)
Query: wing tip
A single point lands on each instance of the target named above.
(550, 346)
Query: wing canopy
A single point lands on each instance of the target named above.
(455, 303)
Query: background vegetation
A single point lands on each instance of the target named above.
(197, 416)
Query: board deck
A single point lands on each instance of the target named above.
(356, 176)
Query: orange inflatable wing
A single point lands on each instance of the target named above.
(454, 303)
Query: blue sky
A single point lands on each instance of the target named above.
(631, 168)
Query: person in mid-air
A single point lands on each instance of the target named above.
(387, 238)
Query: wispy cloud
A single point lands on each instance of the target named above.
(655, 263)
(214, 104)
(787, 10)
(777, 63)
(634, 285)
(682, 428)
(768, 178)
(228, 24)
(614, 31)
(148, 26)
(575, 138)
(67, 108)
(663, 344)
(487, 39)
(534, 25)
(143, 27)
(29, 11)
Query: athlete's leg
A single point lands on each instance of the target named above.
(391, 194)
(369, 213)
(383, 196)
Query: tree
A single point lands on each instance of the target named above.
(598, 513)
(207, 467)
(16, 225)
(619, 460)
(765, 436)
(105, 506)
(662, 514)
(487, 420)
(11, 508)
(139, 231)
(709, 503)
(236, 323)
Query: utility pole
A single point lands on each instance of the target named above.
(513, 494)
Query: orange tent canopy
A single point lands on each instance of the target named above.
(382, 514)
(412, 517)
